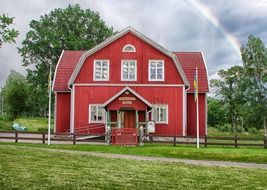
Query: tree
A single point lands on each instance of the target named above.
(231, 90)
(62, 29)
(254, 56)
(7, 34)
(216, 112)
(15, 94)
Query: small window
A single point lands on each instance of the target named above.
(101, 70)
(128, 48)
(96, 114)
(156, 70)
(128, 70)
(160, 114)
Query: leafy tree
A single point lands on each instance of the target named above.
(230, 89)
(15, 94)
(62, 29)
(216, 112)
(7, 34)
(254, 56)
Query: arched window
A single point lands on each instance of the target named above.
(128, 48)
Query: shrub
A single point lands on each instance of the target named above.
(253, 130)
(225, 128)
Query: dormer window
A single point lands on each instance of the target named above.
(128, 48)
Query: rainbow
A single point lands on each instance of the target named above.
(207, 14)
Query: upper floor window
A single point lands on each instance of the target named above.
(128, 48)
(101, 70)
(128, 70)
(160, 114)
(96, 114)
(156, 70)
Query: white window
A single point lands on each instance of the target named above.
(128, 48)
(101, 70)
(160, 114)
(96, 114)
(128, 70)
(156, 70)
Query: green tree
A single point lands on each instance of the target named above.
(216, 112)
(231, 89)
(254, 56)
(7, 34)
(62, 29)
(15, 94)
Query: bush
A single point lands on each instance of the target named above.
(225, 128)
(6, 118)
(253, 130)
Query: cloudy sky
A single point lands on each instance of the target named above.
(217, 28)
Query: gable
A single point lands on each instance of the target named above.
(116, 37)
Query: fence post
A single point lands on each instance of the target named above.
(74, 139)
(150, 138)
(265, 142)
(16, 136)
(235, 141)
(174, 141)
(206, 141)
(43, 138)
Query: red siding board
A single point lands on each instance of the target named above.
(191, 114)
(63, 112)
(155, 95)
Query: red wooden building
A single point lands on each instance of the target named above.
(126, 81)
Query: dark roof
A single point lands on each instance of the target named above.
(189, 62)
(67, 63)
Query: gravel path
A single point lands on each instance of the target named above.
(149, 158)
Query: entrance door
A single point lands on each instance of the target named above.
(128, 119)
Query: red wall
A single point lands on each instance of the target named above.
(191, 114)
(62, 111)
(143, 53)
(172, 96)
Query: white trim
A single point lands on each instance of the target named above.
(100, 60)
(117, 36)
(184, 111)
(60, 57)
(129, 84)
(206, 70)
(132, 46)
(89, 114)
(135, 74)
(55, 112)
(163, 69)
(167, 113)
(72, 108)
(130, 90)
(62, 91)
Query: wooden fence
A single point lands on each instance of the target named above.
(41, 137)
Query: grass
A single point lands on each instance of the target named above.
(247, 154)
(32, 123)
(26, 168)
(212, 131)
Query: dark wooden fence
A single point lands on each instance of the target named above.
(42, 137)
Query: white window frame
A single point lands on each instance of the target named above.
(155, 107)
(149, 72)
(101, 60)
(103, 113)
(128, 60)
(125, 50)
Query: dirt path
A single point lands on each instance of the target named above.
(149, 158)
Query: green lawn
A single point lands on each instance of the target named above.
(32, 123)
(40, 169)
(247, 154)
